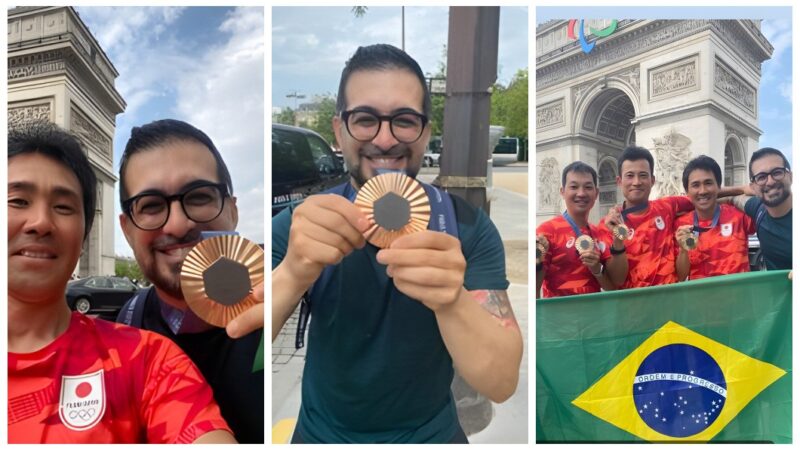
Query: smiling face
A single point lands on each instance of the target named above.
(169, 168)
(45, 227)
(773, 192)
(579, 193)
(636, 181)
(384, 92)
(702, 191)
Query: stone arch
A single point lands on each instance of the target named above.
(598, 95)
(607, 174)
(734, 172)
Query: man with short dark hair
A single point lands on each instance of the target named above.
(565, 268)
(650, 246)
(768, 201)
(72, 378)
(173, 186)
(712, 240)
(388, 325)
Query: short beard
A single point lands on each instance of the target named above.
(776, 202)
(358, 177)
(170, 285)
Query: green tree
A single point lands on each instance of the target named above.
(326, 110)
(127, 267)
(510, 105)
(285, 117)
(359, 11)
(437, 101)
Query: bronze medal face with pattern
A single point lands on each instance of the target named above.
(621, 232)
(396, 205)
(584, 244)
(218, 276)
(690, 242)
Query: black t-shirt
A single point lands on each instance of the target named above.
(227, 365)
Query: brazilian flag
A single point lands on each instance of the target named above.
(697, 361)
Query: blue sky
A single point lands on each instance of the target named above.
(311, 44)
(775, 91)
(201, 65)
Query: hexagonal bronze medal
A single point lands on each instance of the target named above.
(396, 204)
(218, 276)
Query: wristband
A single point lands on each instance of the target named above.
(617, 252)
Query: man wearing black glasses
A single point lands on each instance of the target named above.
(768, 200)
(387, 325)
(174, 185)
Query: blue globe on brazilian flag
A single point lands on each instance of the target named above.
(700, 361)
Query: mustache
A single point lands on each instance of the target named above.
(396, 151)
(167, 240)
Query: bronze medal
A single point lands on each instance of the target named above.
(541, 250)
(584, 244)
(218, 276)
(689, 242)
(396, 205)
(621, 232)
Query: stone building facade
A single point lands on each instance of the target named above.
(679, 88)
(58, 72)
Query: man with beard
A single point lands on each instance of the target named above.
(566, 270)
(174, 185)
(768, 201)
(718, 232)
(72, 378)
(389, 324)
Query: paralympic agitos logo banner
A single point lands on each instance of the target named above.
(587, 46)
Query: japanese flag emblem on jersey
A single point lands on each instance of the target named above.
(660, 223)
(726, 229)
(83, 400)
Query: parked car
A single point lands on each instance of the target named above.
(433, 152)
(101, 295)
(302, 164)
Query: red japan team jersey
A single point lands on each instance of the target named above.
(722, 249)
(565, 273)
(651, 248)
(102, 382)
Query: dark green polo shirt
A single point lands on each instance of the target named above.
(377, 370)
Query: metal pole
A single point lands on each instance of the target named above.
(471, 72)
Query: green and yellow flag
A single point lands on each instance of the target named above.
(706, 360)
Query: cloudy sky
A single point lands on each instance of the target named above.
(201, 65)
(775, 92)
(311, 44)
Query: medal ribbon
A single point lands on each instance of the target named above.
(633, 209)
(574, 225)
(697, 229)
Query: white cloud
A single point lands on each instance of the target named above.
(226, 100)
(785, 90)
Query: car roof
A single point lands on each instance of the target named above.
(281, 126)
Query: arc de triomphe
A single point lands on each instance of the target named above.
(679, 88)
(58, 72)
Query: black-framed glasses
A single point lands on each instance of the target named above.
(776, 174)
(364, 124)
(201, 203)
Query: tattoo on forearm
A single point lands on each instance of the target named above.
(498, 305)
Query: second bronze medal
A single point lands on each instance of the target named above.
(396, 204)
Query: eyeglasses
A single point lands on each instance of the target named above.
(201, 203)
(364, 124)
(776, 174)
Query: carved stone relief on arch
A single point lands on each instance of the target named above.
(547, 188)
(671, 154)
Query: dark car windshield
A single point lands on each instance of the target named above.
(292, 160)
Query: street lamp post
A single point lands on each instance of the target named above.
(295, 95)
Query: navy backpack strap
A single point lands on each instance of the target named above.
(761, 212)
(443, 218)
(132, 313)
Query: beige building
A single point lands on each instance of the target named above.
(679, 88)
(58, 72)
